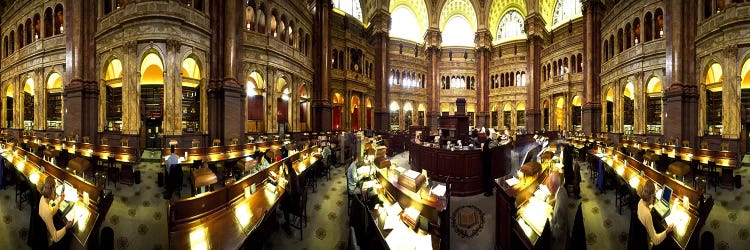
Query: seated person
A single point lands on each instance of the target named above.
(559, 221)
(648, 195)
(49, 204)
(353, 177)
(171, 160)
(291, 201)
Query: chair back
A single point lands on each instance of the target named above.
(724, 146)
(707, 240)
(216, 142)
(578, 237)
(685, 143)
(196, 143)
(86, 139)
(704, 145)
(107, 239)
(104, 141)
(637, 237)
(124, 142)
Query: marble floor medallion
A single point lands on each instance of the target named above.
(467, 221)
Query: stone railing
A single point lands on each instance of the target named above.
(42, 45)
(152, 9)
(733, 13)
(634, 54)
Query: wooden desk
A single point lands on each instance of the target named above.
(93, 213)
(120, 153)
(225, 218)
(203, 177)
(80, 165)
(462, 167)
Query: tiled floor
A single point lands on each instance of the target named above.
(138, 216)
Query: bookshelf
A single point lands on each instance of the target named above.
(628, 111)
(190, 109)
(152, 100)
(54, 110)
(713, 110)
(28, 110)
(114, 108)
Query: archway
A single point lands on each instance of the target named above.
(355, 112)
(507, 116)
(610, 105)
(368, 106)
(560, 114)
(54, 101)
(304, 107)
(420, 112)
(9, 106)
(408, 115)
(576, 113)
(713, 85)
(282, 104)
(521, 117)
(28, 104)
(545, 113)
(494, 116)
(191, 95)
(338, 102)
(152, 99)
(653, 105)
(745, 96)
(628, 106)
(113, 96)
(394, 108)
(255, 89)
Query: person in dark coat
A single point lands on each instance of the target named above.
(487, 168)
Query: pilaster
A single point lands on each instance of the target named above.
(321, 102)
(593, 10)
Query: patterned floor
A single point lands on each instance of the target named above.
(138, 216)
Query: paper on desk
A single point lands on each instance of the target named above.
(363, 170)
(512, 181)
(536, 213)
(542, 192)
(391, 222)
(424, 242)
(368, 184)
(439, 190)
(394, 209)
(400, 238)
(400, 169)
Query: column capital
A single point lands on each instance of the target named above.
(535, 26)
(380, 22)
(483, 39)
(432, 38)
(591, 5)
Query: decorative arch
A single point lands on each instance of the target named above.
(191, 94)
(500, 8)
(458, 23)
(54, 91)
(576, 113)
(628, 107)
(653, 105)
(411, 16)
(152, 68)
(510, 27)
(255, 89)
(745, 74)
(713, 81)
(564, 11)
(28, 97)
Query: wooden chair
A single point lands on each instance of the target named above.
(299, 219)
(196, 143)
(104, 141)
(704, 145)
(235, 141)
(126, 174)
(724, 146)
(686, 143)
(124, 142)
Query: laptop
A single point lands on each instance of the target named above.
(662, 206)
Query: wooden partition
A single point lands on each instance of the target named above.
(119, 153)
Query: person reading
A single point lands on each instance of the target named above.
(648, 195)
(49, 204)
(171, 160)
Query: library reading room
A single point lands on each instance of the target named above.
(374, 124)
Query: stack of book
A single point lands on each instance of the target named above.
(410, 216)
(411, 180)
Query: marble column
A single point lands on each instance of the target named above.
(731, 94)
(483, 42)
(82, 91)
(681, 86)
(131, 117)
(321, 102)
(380, 27)
(591, 109)
(432, 46)
(535, 30)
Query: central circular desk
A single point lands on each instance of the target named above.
(461, 168)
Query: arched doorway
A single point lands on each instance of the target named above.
(576, 115)
(507, 110)
(521, 117)
(368, 113)
(545, 113)
(191, 96)
(54, 101)
(394, 108)
(560, 114)
(282, 105)
(152, 99)
(9, 106)
(408, 111)
(255, 89)
(355, 112)
(113, 96)
(745, 96)
(610, 105)
(628, 108)
(713, 85)
(494, 120)
(304, 107)
(28, 104)
(653, 105)
(420, 114)
(338, 103)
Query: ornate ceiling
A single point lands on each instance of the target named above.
(458, 7)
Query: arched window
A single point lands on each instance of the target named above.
(609, 108)
(404, 24)
(658, 23)
(250, 15)
(304, 104)
(611, 46)
(5, 46)
(579, 64)
(48, 27)
(338, 103)
(282, 28)
(28, 104)
(636, 31)
(511, 26)
(262, 18)
(59, 18)
(713, 85)
(255, 88)
(20, 36)
(628, 32)
(273, 24)
(351, 7)
(12, 41)
(560, 114)
(29, 28)
(113, 96)
(619, 41)
(521, 115)
(191, 95)
(494, 113)
(106, 6)
(653, 105)
(648, 27)
(576, 115)
(628, 106)
(282, 102)
(566, 10)
(458, 32)
(573, 67)
(152, 93)
(54, 101)
(37, 27)
(368, 113)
